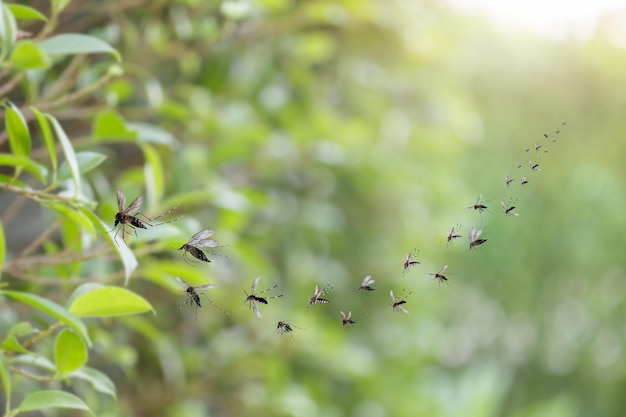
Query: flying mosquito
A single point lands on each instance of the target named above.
(316, 299)
(474, 238)
(534, 165)
(537, 147)
(196, 242)
(408, 262)
(452, 234)
(508, 180)
(366, 284)
(439, 275)
(254, 300)
(479, 206)
(346, 319)
(524, 180)
(193, 297)
(283, 327)
(397, 304)
(508, 210)
(128, 216)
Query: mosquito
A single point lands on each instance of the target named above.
(397, 304)
(537, 147)
(534, 165)
(524, 180)
(452, 234)
(479, 206)
(196, 242)
(508, 180)
(254, 300)
(508, 210)
(545, 135)
(316, 299)
(283, 327)
(474, 238)
(408, 262)
(439, 275)
(519, 166)
(365, 284)
(193, 296)
(346, 319)
(527, 150)
(128, 216)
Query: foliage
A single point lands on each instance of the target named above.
(321, 140)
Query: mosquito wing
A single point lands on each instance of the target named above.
(254, 284)
(318, 292)
(367, 281)
(121, 201)
(255, 308)
(343, 316)
(197, 238)
(182, 281)
(443, 269)
(393, 299)
(504, 206)
(349, 315)
(135, 205)
(480, 197)
(205, 287)
(402, 309)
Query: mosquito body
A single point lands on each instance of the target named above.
(409, 262)
(193, 296)
(316, 299)
(508, 180)
(439, 276)
(524, 180)
(534, 166)
(283, 327)
(474, 238)
(397, 304)
(347, 319)
(478, 206)
(453, 234)
(254, 300)
(366, 284)
(508, 210)
(197, 243)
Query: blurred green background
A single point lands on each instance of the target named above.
(322, 141)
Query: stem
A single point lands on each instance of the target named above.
(31, 376)
(77, 95)
(41, 335)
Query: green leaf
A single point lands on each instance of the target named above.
(76, 43)
(100, 381)
(19, 136)
(70, 352)
(28, 55)
(126, 255)
(68, 150)
(24, 12)
(109, 125)
(21, 329)
(43, 400)
(87, 161)
(24, 162)
(75, 216)
(153, 172)
(109, 301)
(11, 342)
(80, 290)
(53, 309)
(5, 378)
(146, 132)
(48, 138)
(8, 30)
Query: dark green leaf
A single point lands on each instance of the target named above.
(24, 12)
(153, 170)
(76, 43)
(48, 138)
(70, 352)
(109, 301)
(8, 30)
(19, 161)
(19, 136)
(27, 55)
(75, 216)
(43, 400)
(109, 125)
(100, 381)
(52, 309)
(68, 150)
(86, 162)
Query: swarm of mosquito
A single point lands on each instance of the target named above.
(197, 243)
(128, 216)
(397, 304)
(366, 284)
(254, 300)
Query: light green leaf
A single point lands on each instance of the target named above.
(11, 342)
(24, 12)
(80, 290)
(153, 172)
(100, 381)
(43, 400)
(48, 138)
(109, 301)
(70, 352)
(75, 216)
(22, 329)
(126, 255)
(68, 150)
(53, 309)
(24, 162)
(87, 161)
(150, 133)
(5, 378)
(8, 30)
(27, 55)
(109, 125)
(76, 43)
(32, 359)
(19, 136)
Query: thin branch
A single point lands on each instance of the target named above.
(28, 375)
(77, 95)
(65, 79)
(41, 335)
